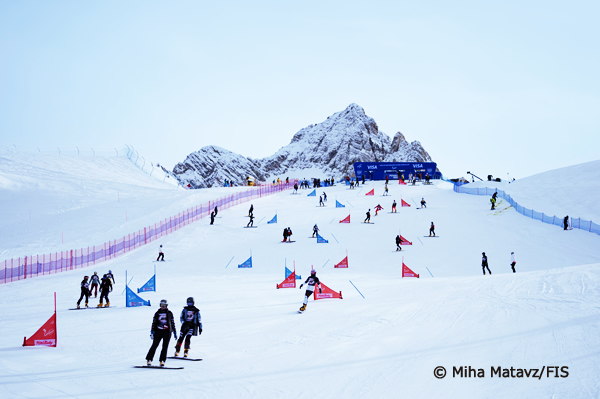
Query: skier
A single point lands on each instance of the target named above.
(315, 230)
(398, 241)
(163, 325)
(105, 287)
(212, 217)
(110, 276)
(423, 203)
(161, 255)
(95, 281)
(432, 229)
(285, 234)
(368, 219)
(85, 291)
(251, 222)
(566, 222)
(251, 211)
(513, 261)
(394, 210)
(216, 211)
(311, 282)
(191, 324)
(321, 201)
(484, 263)
(385, 190)
(324, 197)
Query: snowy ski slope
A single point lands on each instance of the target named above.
(254, 343)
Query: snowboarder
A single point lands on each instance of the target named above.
(378, 208)
(94, 283)
(110, 276)
(163, 325)
(394, 210)
(513, 261)
(423, 203)
(432, 229)
(191, 324)
(285, 234)
(398, 241)
(427, 178)
(85, 291)
(321, 201)
(161, 255)
(387, 180)
(324, 197)
(105, 287)
(311, 282)
(484, 263)
(493, 201)
(289, 234)
(368, 219)
(566, 222)
(212, 217)
(315, 231)
(251, 211)
(352, 185)
(385, 190)
(295, 188)
(363, 179)
(216, 211)
(251, 222)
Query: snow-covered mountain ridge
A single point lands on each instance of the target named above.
(332, 146)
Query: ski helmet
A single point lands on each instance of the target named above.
(95, 272)
(85, 277)
(164, 302)
(110, 271)
(190, 301)
(313, 272)
(161, 245)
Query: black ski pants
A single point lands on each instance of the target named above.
(104, 294)
(165, 336)
(186, 332)
(161, 256)
(85, 294)
(483, 267)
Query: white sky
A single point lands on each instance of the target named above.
(490, 88)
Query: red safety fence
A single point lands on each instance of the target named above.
(36, 265)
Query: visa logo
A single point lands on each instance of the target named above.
(372, 167)
(417, 165)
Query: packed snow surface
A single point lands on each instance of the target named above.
(255, 343)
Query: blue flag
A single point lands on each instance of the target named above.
(338, 205)
(132, 299)
(247, 263)
(313, 194)
(288, 272)
(274, 220)
(321, 240)
(149, 286)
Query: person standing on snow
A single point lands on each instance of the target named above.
(251, 211)
(432, 230)
(251, 222)
(394, 210)
(191, 324)
(289, 234)
(484, 263)
(285, 234)
(513, 262)
(378, 208)
(324, 197)
(398, 242)
(105, 287)
(212, 217)
(163, 325)
(216, 211)
(385, 190)
(85, 291)
(310, 288)
(423, 203)
(110, 276)
(321, 201)
(161, 255)
(94, 283)
(315, 230)
(566, 222)
(368, 219)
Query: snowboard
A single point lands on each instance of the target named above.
(161, 260)
(103, 307)
(368, 223)
(184, 358)
(288, 241)
(250, 227)
(83, 308)
(431, 236)
(158, 367)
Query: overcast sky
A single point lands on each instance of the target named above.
(489, 87)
